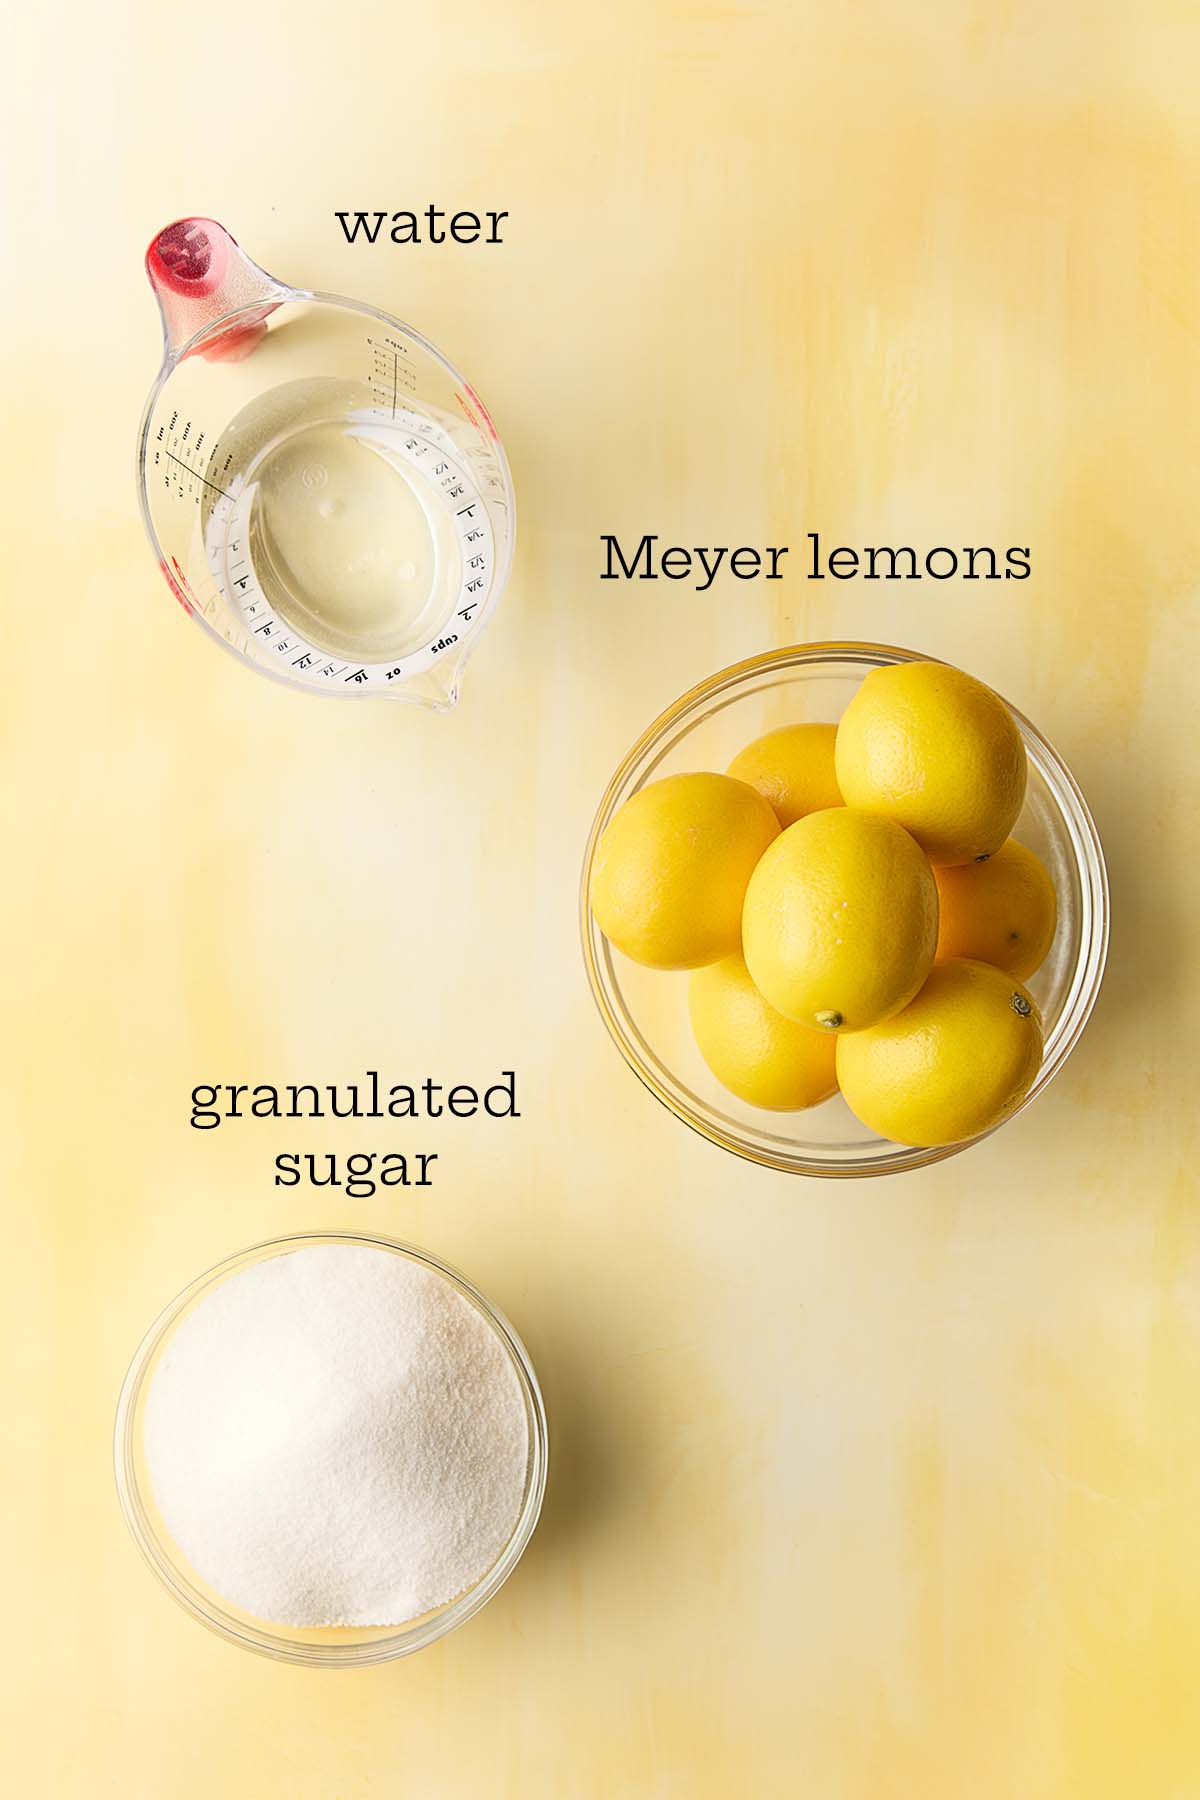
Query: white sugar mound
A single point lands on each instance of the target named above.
(337, 1437)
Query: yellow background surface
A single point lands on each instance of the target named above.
(882, 1489)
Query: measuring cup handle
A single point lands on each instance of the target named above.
(201, 277)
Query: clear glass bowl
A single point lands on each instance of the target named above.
(645, 1010)
(344, 1647)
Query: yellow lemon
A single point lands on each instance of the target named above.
(840, 921)
(752, 1050)
(952, 1064)
(792, 768)
(938, 752)
(670, 872)
(1002, 911)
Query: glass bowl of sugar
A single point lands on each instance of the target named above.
(331, 1449)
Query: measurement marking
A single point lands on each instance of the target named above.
(197, 475)
(456, 477)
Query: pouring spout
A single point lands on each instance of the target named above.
(201, 276)
(441, 689)
(436, 688)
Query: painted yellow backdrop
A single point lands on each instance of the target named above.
(882, 1491)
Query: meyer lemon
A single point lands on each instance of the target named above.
(952, 1064)
(792, 768)
(752, 1050)
(840, 921)
(671, 869)
(939, 753)
(1002, 911)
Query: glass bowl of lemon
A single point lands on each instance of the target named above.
(813, 957)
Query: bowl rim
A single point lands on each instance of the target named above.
(237, 1627)
(899, 1159)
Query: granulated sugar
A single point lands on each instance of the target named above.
(335, 1436)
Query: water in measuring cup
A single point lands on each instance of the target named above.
(349, 534)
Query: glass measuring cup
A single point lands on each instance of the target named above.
(324, 492)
